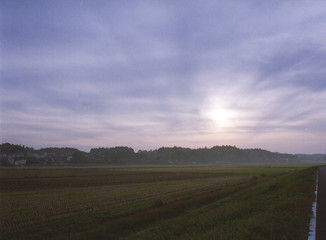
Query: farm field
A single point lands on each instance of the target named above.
(256, 202)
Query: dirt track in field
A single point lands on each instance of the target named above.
(321, 205)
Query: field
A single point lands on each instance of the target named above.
(156, 202)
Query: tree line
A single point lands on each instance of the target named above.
(122, 155)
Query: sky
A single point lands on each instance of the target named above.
(147, 74)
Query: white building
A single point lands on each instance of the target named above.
(20, 162)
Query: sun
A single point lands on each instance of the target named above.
(222, 117)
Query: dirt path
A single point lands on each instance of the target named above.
(321, 205)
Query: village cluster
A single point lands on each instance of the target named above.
(44, 158)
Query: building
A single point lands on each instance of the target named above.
(21, 162)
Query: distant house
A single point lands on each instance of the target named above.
(69, 158)
(21, 162)
(40, 155)
(11, 161)
(37, 156)
(43, 161)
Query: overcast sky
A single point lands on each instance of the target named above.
(147, 74)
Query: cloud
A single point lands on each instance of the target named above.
(148, 74)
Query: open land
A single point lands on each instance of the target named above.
(256, 202)
(321, 204)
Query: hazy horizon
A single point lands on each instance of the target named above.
(87, 150)
(147, 74)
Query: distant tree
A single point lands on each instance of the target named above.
(79, 157)
(7, 148)
(120, 155)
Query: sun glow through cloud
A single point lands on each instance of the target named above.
(221, 117)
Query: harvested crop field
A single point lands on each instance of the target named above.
(148, 203)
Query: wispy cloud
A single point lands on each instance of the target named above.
(148, 74)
